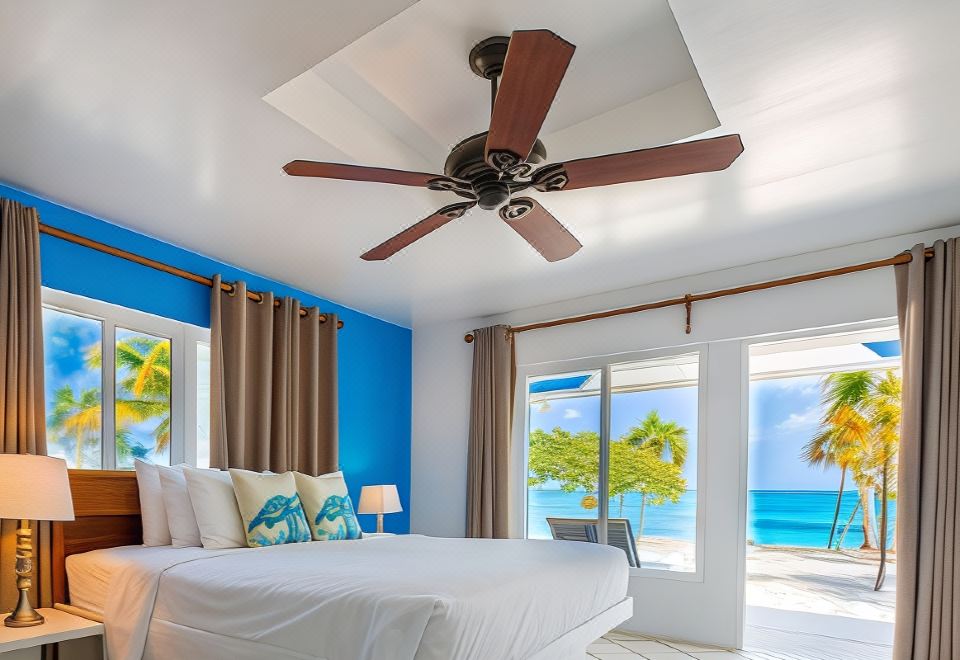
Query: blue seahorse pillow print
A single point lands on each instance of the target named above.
(328, 507)
(270, 507)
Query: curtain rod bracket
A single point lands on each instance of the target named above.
(688, 303)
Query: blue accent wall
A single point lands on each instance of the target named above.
(374, 359)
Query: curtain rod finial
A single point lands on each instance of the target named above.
(468, 338)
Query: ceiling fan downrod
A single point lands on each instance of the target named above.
(486, 60)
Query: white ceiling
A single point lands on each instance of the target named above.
(151, 115)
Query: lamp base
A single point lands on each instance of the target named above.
(24, 616)
(379, 523)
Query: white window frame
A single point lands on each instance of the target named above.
(183, 337)
(604, 364)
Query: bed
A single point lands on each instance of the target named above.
(396, 597)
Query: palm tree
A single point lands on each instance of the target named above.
(838, 443)
(143, 393)
(658, 436)
(143, 369)
(844, 440)
(884, 409)
(77, 417)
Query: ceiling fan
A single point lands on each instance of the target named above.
(490, 168)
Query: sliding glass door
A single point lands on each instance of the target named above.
(612, 457)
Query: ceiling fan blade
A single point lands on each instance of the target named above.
(657, 163)
(359, 173)
(535, 64)
(539, 228)
(415, 232)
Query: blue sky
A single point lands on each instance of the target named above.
(784, 414)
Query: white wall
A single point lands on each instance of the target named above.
(708, 611)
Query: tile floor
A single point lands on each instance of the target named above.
(617, 645)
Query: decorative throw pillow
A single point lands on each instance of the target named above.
(152, 510)
(184, 532)
(270, 508)
(328, 506)
(215, 506)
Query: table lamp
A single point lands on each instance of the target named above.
(379, 500)
(31, 488)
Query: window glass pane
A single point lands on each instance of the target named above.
(142, 398)
(563, 455)
(73, 383)
(653, 461)
(203, 405)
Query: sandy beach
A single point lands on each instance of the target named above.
(812, 580)
(820, 581)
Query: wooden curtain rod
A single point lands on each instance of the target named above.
(156, 265)
(690, 298)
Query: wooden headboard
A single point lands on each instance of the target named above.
(106, 505)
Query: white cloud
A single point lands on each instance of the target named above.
(570, 413)
(809, 417)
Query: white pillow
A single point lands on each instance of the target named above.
(152, 509)
(181, 520)
(215, 507)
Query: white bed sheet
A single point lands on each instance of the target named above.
(89, 573)
(404, 597)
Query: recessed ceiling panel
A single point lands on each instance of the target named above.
(403, 94)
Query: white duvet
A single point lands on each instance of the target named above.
(396, 598)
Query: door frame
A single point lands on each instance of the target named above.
(745, 346)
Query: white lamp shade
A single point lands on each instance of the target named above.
(34, 488)
(379, 499)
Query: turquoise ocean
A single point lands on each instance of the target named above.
(789, 518)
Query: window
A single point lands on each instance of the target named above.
(155, 372)
(616, 446)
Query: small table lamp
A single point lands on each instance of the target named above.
(379, 500)
(31, 488)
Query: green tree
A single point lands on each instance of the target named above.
(661, 439)
(573, 461)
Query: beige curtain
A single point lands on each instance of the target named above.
(491, 421)
(273, 393)
(928, 496)
(22, 422)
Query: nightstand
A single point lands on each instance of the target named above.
(59, 626)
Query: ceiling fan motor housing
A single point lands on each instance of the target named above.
(491, 187)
